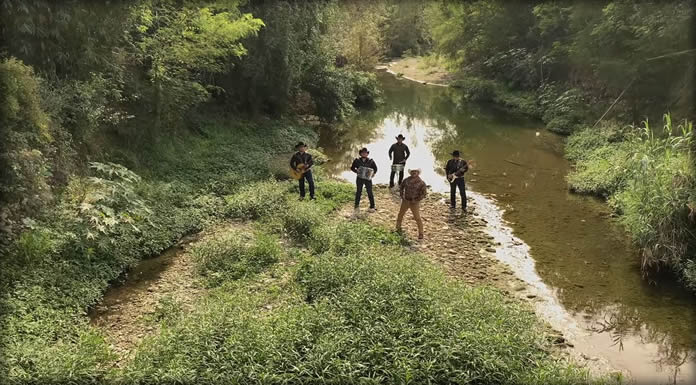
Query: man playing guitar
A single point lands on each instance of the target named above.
(301, 166)
(455, 169)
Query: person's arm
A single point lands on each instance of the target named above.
(354, 166)
(408, 152)
(293, 162)
(391, 151)
(447, 167)
(309, 163)
(462, 168)
(374, 166)
(402, 186)
(422, 191)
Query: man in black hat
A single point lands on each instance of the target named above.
(455, 169)
(302, 162)
(364, 178)
(398, 154)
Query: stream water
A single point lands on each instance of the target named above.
(646, 327)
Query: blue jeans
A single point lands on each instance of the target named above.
(368, 185)
(310, 179)
(459, 182)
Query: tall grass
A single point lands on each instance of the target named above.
(359, 309)
(649, 177)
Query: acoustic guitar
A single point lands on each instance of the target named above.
(297, 174)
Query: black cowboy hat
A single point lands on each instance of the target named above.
(364, 149)
(400, 137)
(455, 153)
(300, 144)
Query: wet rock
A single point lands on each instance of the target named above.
(490, 249)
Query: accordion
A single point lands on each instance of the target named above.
(365, 173)
(398, 167)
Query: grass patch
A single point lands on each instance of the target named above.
(54, 273)
(234, 256)
(649, 178)
(359, 309)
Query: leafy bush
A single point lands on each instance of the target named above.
(365, 89)
(375, 315)
(257, 200)
(563, 111)
(300, 218)
(649, 179)
(235, 256)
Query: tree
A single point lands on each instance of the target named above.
(180, 47)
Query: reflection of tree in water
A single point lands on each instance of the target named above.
(341, 142)
(623, 321)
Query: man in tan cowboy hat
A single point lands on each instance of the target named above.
(412, 191)
(398, 154)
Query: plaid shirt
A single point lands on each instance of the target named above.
(413, 189)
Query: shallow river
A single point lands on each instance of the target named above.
(645, 327)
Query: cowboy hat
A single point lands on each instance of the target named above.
(300, 144)
(400, 137)
(364, 149)
(410, 171)
(455, 153)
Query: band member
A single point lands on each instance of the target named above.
(412, 192)
(455, 169)
(302, 162)
(398, 154)
(366, 168)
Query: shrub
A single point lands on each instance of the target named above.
(299, 219)
(649, 179)
(382, 317)
(257, 200)
(655, 202)
(365, 89)
(235, 256)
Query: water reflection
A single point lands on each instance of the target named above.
(579, 251)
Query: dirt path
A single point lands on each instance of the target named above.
(453, 239)
(416, 69)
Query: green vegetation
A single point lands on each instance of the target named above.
(350, 309)
(573, 64)
(569, 60)
(650, 180)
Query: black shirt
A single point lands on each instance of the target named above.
(400, 151)
(457, 167)
(300, 157)
(362, 162)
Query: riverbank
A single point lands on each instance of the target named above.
(478, 248)
(656, 208)
(418, 69)
(566, 234)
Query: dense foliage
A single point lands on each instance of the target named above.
(649, 177)
(317, 315)
(572, 59)
(92, 81)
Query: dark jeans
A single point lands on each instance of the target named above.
(393, 174)
(459, 182)
(310, 180)
(358, 193)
